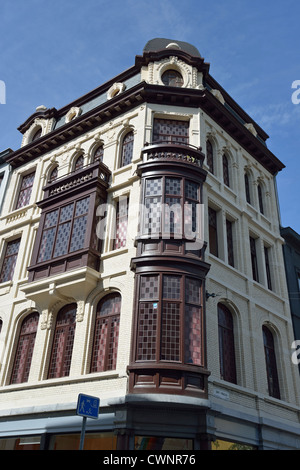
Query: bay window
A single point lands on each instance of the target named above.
(169, 319)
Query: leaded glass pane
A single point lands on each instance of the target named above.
(170, 332)
(193, 291)
(171, 287)
(154, 187)
(192, 340)
(51, 219)
(127, 149)
(62, 239)
(82, 206)
(66, 213)
(173, 186)
(78, 233)
(147, 329)
(149, 287)
(46, 246)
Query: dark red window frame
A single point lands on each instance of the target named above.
(127, 149)
(10, 259)
(106, 333)
(25, 190)
(24, 351)
(169, 327)
(62, 346)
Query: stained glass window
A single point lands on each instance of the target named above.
(64, 230)
(127, 149)
(121, 224)
(171, 131)
(23, 356)
(63, 340)
(169, 321)
(106, 336)
(10, 259)
(25, 190)
(172, 78)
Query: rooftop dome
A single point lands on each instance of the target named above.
(159, 44)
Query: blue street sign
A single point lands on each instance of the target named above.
(88, 406)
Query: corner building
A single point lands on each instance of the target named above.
(141, 262)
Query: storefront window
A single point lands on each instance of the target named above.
(21, 443)
(99, 441)
(162, 443)
(227, 445)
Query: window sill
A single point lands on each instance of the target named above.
(111, 253)
(106, 375)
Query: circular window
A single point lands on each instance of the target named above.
(172, 78)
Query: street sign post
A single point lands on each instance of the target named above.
(87, 407)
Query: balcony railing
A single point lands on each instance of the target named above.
(174, 151)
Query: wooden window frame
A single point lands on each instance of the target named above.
(24, 350)
(6, 257)
(226, 345)
(159, 303)
(60, 364)
(112, 319)
(27, 190)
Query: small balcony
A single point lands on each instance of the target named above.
(173, 152)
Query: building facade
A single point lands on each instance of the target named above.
(141, 263)
(291, 254)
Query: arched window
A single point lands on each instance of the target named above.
(24, 350)
(172, 78)
(226, 178)
(247, 188)
(53, 174)
(98, 154)
(260, 198)
(79, 163)
(226, 344)
(209, 156)
(62, 347)
(37, 134)
(127, 149)
(271, 366)
(106, 336)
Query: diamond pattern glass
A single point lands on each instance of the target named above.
(127, 149)
(25, 190)
(106, 336)
(62, 347)
(23, 357)
(171, 131)
(10, 259)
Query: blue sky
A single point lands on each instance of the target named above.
(53, 52)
